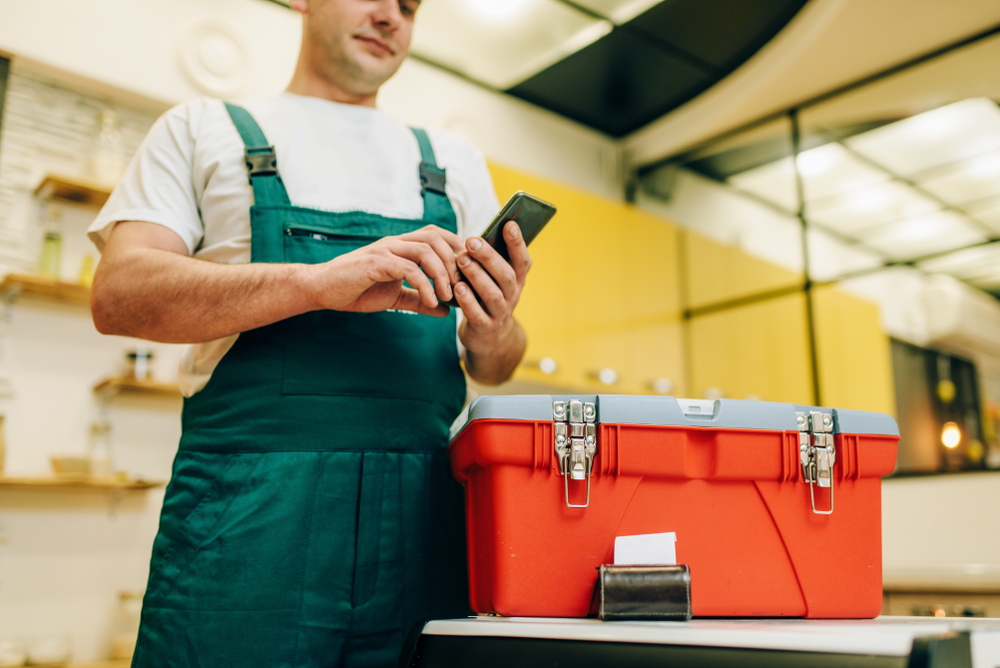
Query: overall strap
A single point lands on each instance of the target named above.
(261, 161)
(437, 207)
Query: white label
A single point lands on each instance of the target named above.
(650, 549)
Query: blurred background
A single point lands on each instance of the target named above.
(759, 199)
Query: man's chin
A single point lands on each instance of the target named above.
(375, 70)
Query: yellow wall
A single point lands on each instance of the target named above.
(853, 353)
(756, 351)
(717, 272)
(605, 292)
(602, 292)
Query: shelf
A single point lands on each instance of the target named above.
(77, 191)
(114, 385)
(46, 287)
(76, 483)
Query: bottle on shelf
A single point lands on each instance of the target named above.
(100, 449)
(86, 277)
(107, 160)
(50, 259)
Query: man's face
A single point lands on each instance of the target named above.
(358, 44)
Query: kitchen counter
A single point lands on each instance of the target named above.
(886, 641)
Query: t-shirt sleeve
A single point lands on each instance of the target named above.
(483, 204)
(157, 186)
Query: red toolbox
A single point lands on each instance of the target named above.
(776, 507)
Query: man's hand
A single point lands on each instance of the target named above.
(147, 286)
(371, 278)
(493, 340)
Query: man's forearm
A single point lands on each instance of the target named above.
(164, 296)
(498, 364)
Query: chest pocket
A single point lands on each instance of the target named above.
(336, 353)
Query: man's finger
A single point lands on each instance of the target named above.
(517, 250)
(471, 309)
(484, 285)
(428, 259)
(401, 268)
(409, 300)
(501, 273)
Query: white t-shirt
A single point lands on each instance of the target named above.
(189, 176)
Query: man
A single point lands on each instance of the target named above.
(311, 517)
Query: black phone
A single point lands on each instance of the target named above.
(529, 212)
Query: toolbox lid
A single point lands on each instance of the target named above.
(670, 411)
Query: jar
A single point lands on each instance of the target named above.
(99, 449)
(50, 649)
(3, 445)
(12, 652)
(50, 259)
(139, 364)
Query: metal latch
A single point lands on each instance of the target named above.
(575, 442)
(817, 453)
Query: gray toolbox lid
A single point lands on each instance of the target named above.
(670, 411)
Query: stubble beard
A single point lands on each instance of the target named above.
(351, 73)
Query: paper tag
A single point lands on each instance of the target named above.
(646, 549)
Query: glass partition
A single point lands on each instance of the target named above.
(736, 199)
(906, 170)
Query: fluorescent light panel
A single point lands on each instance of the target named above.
(939, 137)
(502, 42)
(831, 169)
(866, 208)
(988, 215)
(619, 11)
(965, 264)
(967, 181)
(924, 235)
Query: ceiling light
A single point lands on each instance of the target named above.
(868, 200)
(816, 161)
(501, 42)
(936, 124)
(985, 167)
(925, 235)
(497, 10)
(932, 139)
(951, 435)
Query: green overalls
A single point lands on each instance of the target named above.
(312, 517)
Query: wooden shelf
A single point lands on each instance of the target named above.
(46, 287)
(69, 189)
(110, 387)
(76, 483)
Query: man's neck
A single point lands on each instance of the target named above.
(305, 82)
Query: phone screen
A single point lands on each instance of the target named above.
(529, 212)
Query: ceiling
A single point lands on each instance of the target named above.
(613, 65)
(828, 44)
(907, 191)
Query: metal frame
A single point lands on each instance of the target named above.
(807, 284)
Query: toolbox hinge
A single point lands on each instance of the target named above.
(575, 442)
(817, 453)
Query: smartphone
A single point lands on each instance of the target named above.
(529, 212)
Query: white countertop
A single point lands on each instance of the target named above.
(885, 636)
